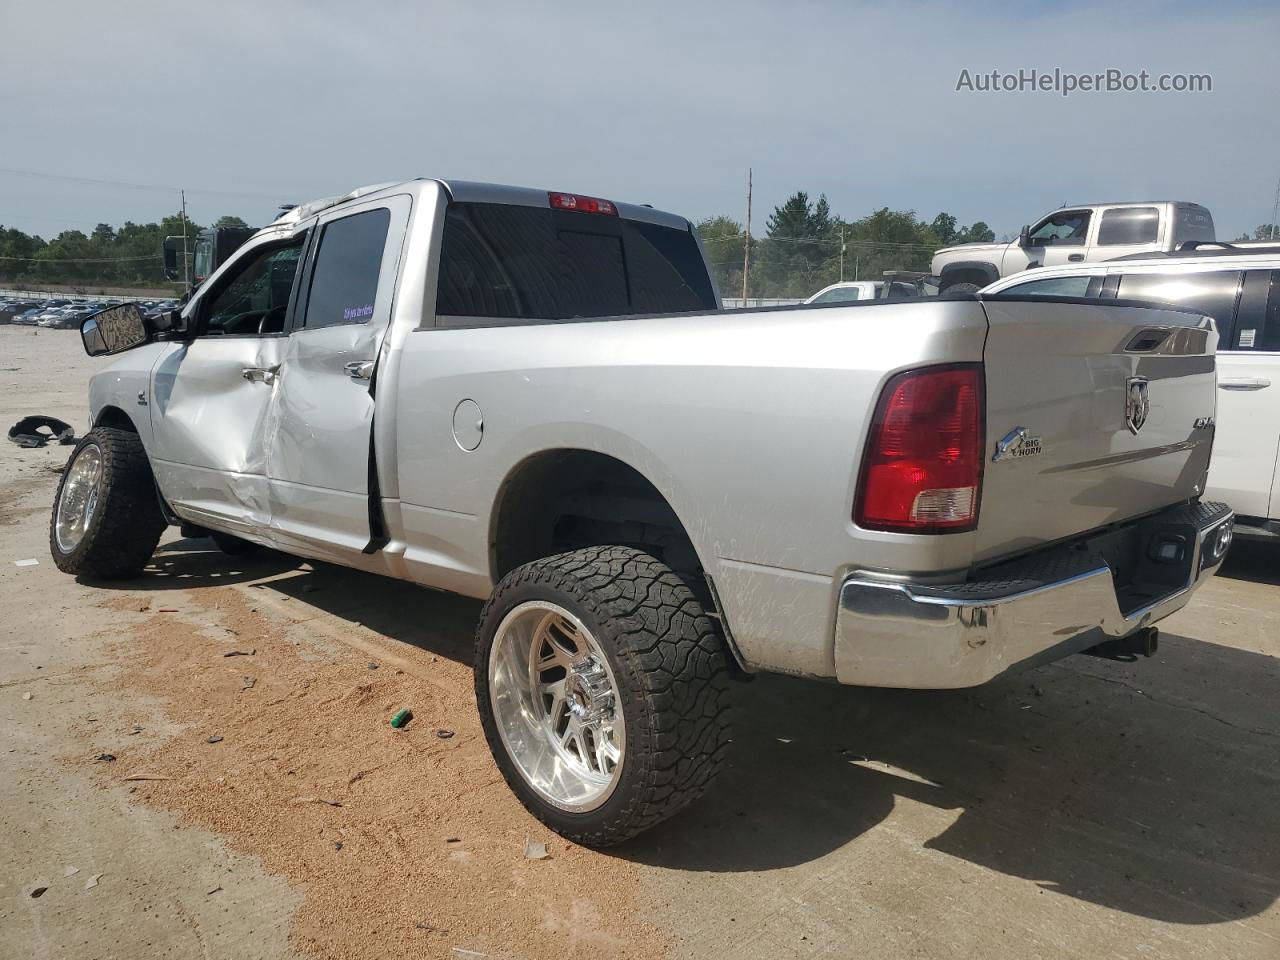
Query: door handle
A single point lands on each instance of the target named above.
(260, 374)
(359, 369)
(1243, 383)
(1076, 257)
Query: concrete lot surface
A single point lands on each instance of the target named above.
(1087, 809)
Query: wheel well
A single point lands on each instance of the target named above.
(115, 417)
(564, 500)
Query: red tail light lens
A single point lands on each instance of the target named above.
(574, 201)
(922, 471)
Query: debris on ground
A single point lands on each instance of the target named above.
(372, 665)
(38, 892)
(28, 562)
(444, 734)
(104, 757)
(92, 881)
(337, 845)
(168, 610)
(137, 728)
(145, 776)
(248, 683)
(28, 695)
(535, 851)
(465, 953)
(401, 717)
(70, 871)
(241, 653)
(214, 739)
(324, 800)
(27, 431)
(210, 893)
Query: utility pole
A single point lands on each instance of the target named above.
(186, 264)
(1275, 213)
(842, 253)
(746, 243)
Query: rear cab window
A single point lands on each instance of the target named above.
(507, 263)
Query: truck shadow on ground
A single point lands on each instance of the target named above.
(1147, 787)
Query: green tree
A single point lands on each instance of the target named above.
(229, 221)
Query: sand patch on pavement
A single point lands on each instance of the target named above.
(402, 842)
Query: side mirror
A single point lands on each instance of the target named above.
(114, 330)
(1024, 236)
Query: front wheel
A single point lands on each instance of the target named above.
(603, 691)
(960, 288)
(106, 518)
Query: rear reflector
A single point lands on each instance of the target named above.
(922, 471)
(574, 201)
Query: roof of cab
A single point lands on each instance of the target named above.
(472, 191)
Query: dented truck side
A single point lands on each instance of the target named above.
(533, 398)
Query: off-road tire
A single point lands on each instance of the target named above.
(671, 668)
(126, 526)
(233, 546)
(960, 288)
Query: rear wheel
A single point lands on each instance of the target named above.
(603, 691)
(106, 519)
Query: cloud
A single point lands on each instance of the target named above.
(664, 103)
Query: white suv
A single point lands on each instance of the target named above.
(1240, 288)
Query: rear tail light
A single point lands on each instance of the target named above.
(574, 201)
(922, 471)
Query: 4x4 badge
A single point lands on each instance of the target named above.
(1016, 444)
(1136, 404)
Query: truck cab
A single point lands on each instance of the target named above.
(1076, 234)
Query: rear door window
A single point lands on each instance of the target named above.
(1081, 286)
(344, 279)
(508, 262)
(1124, 225)
(1258, 319)
(1211, 292)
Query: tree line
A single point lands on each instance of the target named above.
(125, 256)
(806, 246)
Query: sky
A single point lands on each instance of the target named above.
(249, 105)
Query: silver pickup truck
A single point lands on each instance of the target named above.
(533, 397)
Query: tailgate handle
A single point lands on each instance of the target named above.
(1243, 383)
(1147, 340)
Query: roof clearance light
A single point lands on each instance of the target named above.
(575, 201)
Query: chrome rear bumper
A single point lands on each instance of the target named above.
(895, 633)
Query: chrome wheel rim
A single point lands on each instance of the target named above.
(556, 706)
(78, 501)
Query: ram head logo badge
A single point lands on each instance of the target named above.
(1136, 404)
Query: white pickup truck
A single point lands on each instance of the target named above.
(533, 397)
(1076, 234)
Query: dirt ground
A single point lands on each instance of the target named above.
(259, 805)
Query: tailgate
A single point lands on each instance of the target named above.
(1121, 399)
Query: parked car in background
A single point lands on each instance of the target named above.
(1239, 286)
(1076, 234)
(27, 318)
(978, 490)
(847, 291)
